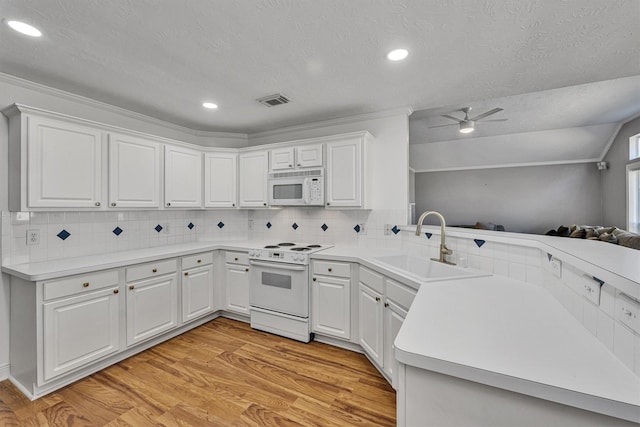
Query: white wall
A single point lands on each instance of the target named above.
(614, 180)
(530, 199)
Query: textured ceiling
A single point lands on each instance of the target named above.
(163, 58)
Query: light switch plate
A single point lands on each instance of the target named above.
(590, 289)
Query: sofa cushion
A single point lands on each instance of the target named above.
(627, 238)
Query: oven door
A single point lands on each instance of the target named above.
(279, 287)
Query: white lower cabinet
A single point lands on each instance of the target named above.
(394, 316)
(383, 307)
(331, 299)
(152, 302)
(371, 323)
(237, 282)
(198, 291)
(80, 329)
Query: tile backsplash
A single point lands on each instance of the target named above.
(72, 234)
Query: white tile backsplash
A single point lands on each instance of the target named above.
(92, 232)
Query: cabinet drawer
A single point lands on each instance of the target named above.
(77, 284)
(331, 268)
(197, 260)
(400, 294)
(371, 279)
(151, 269)
(237, 258)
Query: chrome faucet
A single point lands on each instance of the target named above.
(444, 250)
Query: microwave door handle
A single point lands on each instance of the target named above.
(305, 191)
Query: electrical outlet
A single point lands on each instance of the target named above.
(250, 225)
(33, 237)
(556, 267)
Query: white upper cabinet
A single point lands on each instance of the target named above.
(134, 172)
(182, 177)
(304, 156)
(220, 180)
(54, 163)
(309, 156)
(347, 173)
(282, 158)
(254, 167)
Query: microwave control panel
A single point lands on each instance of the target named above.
(315, 191)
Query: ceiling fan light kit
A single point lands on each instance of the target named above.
(467, 127)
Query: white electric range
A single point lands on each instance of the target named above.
(279, 282)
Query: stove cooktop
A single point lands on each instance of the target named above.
(287, 252)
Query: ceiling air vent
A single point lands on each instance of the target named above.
(273, 100)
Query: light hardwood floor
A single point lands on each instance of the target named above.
(220, 374)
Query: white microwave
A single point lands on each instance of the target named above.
(297, 188)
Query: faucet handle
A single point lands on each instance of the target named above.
(445, 250)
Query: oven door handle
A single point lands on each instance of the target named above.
(278, 265)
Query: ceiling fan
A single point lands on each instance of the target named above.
(468, 124)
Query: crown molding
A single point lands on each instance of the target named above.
(334, 122)
(38, 87)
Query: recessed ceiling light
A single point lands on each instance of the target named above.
(209, 105)
(397, 54)
(23, 28)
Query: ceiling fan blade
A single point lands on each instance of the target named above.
(444, 126)
(452, 118)
(483, 115)
(496, 120)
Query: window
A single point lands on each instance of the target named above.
(634, 147)
(633, 197)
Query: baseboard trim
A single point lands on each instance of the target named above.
(4, 372)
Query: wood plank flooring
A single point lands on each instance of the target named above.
(222, 373)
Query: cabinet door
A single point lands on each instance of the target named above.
(197, 292)
(182, 177)
(393, 318)
(344, 173)
(331, 306)
(220, 180)
(371, 323)
(64, 164)
(152, 308)
(253, 179)
(282, 158)
(134, 172)
(237, 289)
(308, 156)
(80, 330)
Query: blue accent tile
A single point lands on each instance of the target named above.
(324, 227)
(598, 280)
(428, 235)
(395, 229)
(295, 226)
(479, 242)
(63, 234)
(190, 226)
(158, 228)
(220, 224)
(269, 225)
(549, 256)
(357, 228)
(117, 231)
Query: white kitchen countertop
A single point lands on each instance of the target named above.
(66, 267)
(515, 336)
